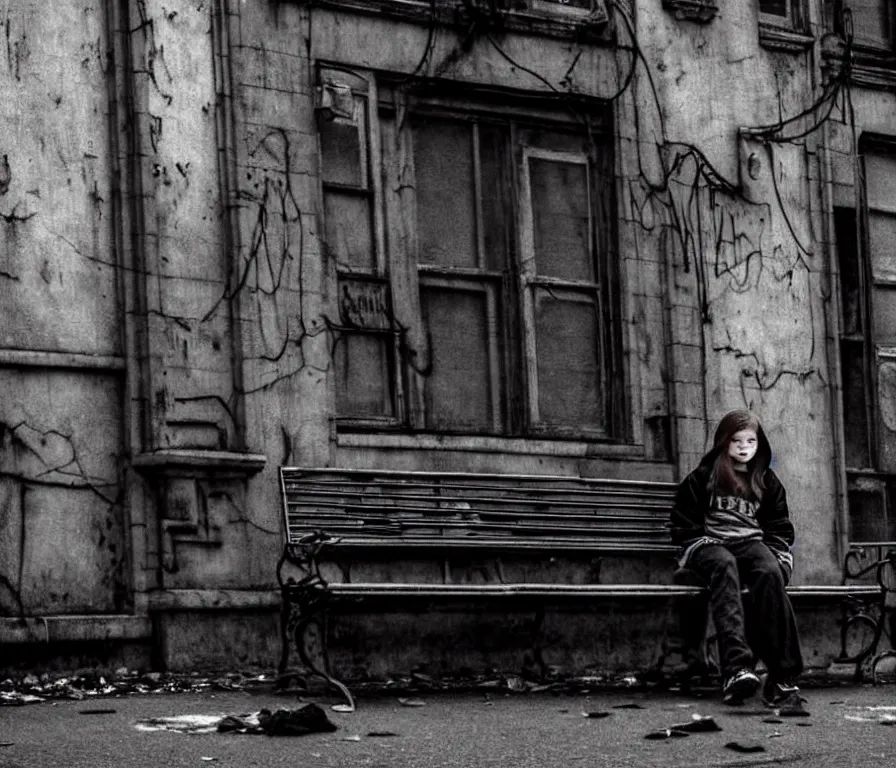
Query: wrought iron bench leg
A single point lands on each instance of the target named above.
(301, 629)
(285, 617)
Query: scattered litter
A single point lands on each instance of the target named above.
(738, 747)
(666, 733)
(355, 737)
(181, 724)
(792, 707)
(18, 699)
(405, 702)
(596, 715)
(309, 718)
(342, 708)
(628, 705)
(698, 724)
(516, 684)
(381, 734)
(97, 711)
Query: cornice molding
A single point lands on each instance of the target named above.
(784, 40)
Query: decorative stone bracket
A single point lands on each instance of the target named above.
(183, 512)
(700, 11)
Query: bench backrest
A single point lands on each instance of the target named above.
(378, 509)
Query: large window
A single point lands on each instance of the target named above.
(868, 343)
(473, 248)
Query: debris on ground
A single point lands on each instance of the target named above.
(15, 699)
(698, 724)
(309, 718)
(405, 702)
(666, 733)
(32, 689)
(736, 746)
(181, 723)
(885, 715)
(793, 706)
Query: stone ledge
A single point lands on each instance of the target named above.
(75, 628)
(33, 358)
(169, 460)
(213, 599)
(787, 41)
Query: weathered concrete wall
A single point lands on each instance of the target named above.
(179, 266)
(62, 519)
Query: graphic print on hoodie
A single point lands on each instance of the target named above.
(732, 518)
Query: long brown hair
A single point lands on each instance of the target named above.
(724, 477)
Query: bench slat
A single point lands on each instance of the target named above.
(396, 509)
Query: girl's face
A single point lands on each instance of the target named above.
(743, 445)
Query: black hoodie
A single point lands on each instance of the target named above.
(694, 496)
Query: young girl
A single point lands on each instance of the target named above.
(730, 518)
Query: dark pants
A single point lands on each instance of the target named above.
(760, 624)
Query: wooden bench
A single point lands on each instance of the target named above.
(335, 517)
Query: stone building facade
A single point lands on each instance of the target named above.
(524, 236)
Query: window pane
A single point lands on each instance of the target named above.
(568, 356)
(870, 19)
(560, 213)
(443, 167)
(848, 261)
(855, 422)
(342, 154)
(867, 521)
(497, 213)
(880, 182)
(773, 7)
(348, 233)
(361, 363)
(882, 234)
(883, 315)
(457, 390)
(886, 395)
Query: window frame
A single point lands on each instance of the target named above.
(793, 21)
(513, 399)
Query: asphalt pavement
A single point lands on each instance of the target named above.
(848, 725)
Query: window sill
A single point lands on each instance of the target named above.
(482, 444)
(784, 40)
(564, 23)
(700, 11)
